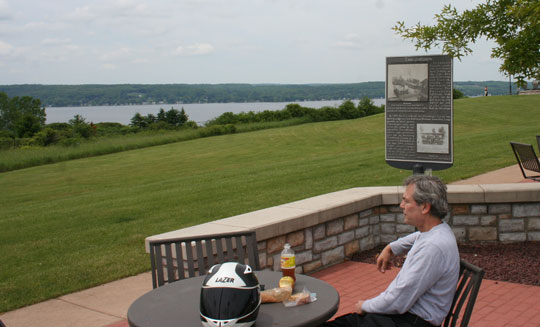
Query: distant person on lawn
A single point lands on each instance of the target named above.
(422, 292)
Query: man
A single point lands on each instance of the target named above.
(422, 292)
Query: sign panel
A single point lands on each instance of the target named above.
(419, 112)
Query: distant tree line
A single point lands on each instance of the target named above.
(121, 94)
(347, 110)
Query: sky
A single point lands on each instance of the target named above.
(216, 41)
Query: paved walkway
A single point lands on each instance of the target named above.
(498, 304)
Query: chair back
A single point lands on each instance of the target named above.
(470, 278)
(181, 258)
(526, 158)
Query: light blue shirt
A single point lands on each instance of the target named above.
(426, 283)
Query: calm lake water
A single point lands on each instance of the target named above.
(199, 112)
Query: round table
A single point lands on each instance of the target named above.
(177, 304)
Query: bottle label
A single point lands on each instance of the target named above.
(288, 262)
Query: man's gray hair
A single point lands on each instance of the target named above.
(429, 189)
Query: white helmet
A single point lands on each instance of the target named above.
(230, 296)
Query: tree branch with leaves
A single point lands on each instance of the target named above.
(513, 24)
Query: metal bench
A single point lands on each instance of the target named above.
(180, 258)
(527, 159)
(470, 278)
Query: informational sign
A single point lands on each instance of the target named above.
(419, 112)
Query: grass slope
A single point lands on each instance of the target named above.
(79, 223)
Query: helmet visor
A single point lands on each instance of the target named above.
(228, 303)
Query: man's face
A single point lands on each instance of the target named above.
(412, 212)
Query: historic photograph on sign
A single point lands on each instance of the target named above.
(432, 138)
(408, 82)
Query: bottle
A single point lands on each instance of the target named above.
(288, 261)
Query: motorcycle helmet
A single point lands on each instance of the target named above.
(230, 296)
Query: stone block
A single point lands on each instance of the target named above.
(303, 257)
(488, 220)
(512, 225)
(270, 262)
(383, 210)
(388, 217)
(319, 232)
(387, 238)
(375, 229)
(460, 233)
(261, 245)
(460, 209)
(512, 237)
(400, 218)
(277, 262)
(362, 232)
(388, 228)
(351, 222)
(352, 248)
(345, 237)
(363, 222)
(333, 256)
(465, 220)
(533, 236)
(365, 213)
(262, 260)
(404, 229)
(325, 244)
(367, 243)
(312, 266)
(275, 244)
(482, 234)
(394, 209)
(334, 227)
(308, 238)
(526, 210)
(494, 209)
(296, 238)
(533, 224)
(374, 220)
(479, 209)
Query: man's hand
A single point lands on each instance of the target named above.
(383, 259)
(358, 307)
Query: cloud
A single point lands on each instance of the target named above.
(195, 49)
(108, 66)
(350, 41)
(53, 41)
(5, 10)
(84, 14)
(116, 55)
(5, 48)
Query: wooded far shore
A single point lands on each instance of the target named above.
(125, 94)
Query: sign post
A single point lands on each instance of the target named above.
(419, 113)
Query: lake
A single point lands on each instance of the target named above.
(198, 112)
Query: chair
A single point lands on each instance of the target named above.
(171, 259)
(538, 141)
(470, 278)
(527, 159)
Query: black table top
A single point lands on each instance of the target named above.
(177, 304)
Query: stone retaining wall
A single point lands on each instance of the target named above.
(326, 229)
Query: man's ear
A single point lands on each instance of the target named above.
(426, 207)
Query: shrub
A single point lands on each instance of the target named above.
(217, 130)
(45, 137)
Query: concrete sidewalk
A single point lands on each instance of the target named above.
(107, 305)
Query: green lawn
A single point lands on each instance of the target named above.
(79, 223)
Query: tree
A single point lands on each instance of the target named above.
(513, 24)
(21, 115)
